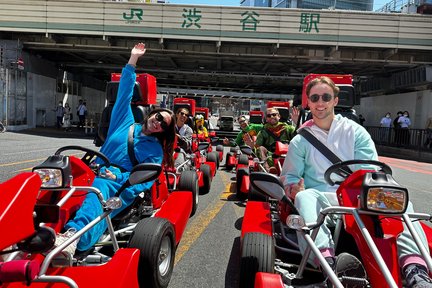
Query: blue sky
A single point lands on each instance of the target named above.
(377, 3)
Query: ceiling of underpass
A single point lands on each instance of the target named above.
(219, 68)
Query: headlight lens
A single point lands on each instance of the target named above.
(51, 178)
(382, 199)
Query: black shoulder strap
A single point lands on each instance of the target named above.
(320, 146)
(131, 151)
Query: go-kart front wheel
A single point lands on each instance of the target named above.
(257, 255)
(189, 182)
(154, 237)
(240, 178)
(214, 157)
(243, 159)
(207, 178)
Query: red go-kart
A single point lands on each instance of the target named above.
(371, 212)
(137, 251)
(248, 162)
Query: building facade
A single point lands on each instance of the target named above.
(361, 5)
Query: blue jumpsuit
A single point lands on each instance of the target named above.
(147, 150)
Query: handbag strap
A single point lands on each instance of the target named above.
(322, 148)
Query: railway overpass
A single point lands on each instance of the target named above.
(247, 50)
(213, 51)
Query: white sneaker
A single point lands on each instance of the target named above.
(61, 238)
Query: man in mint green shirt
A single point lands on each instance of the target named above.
(247, 133)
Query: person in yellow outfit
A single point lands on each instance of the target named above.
(200, 129)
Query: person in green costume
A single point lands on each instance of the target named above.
(273, 131)
(247, 133)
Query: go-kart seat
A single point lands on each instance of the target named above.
(139, 111)
(102, 130)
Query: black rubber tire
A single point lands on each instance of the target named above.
(234, 149)
(254, 195)
(207, 177)
(257, 255)
(243, 159)
(239, 180)
(154, 237)
(213, 157)
(189, 182)
(227, 166)
(220, 148)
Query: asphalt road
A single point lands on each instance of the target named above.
(208, 254)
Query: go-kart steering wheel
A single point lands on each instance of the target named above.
(341, 169)
(88, 157)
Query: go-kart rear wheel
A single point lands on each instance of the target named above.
(257, 255)
(189, 182)
(243, 159)
(213, 157)
(241, 173)
(207, 178)
(154, 237)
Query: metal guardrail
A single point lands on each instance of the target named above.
(413, 139)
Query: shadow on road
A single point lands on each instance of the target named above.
(232, 272)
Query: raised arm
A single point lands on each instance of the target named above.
(121, 115)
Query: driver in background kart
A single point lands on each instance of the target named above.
(303, 179)
(153, 143)
(272, 132)
(200, 129)
(246, 134)
(184, 135)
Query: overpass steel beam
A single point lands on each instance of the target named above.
(224, 94)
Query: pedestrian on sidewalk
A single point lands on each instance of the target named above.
(59, 114)
(385, 125)
(81, 112)
(67, 118)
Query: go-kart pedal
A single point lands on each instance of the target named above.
(349, 270)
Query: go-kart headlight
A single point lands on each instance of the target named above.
(51, 178)
(55, 172)
(382, 194)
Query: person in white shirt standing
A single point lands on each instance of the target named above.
(81, 112)
(385, 123)
(405, 122)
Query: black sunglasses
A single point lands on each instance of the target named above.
(183, 114)
(160, 119)
(326, 97)
(272, 115)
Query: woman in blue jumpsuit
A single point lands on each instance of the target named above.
(153, 143)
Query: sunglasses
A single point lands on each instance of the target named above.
(272, 115)
(160, 119)
(183, 114)
(242, 121)
(325, 97)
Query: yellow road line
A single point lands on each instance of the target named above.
(21, 162)
(32, 160)
(200, 223)
(22, 170)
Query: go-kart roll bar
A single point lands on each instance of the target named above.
(416, 238)
(76, 236)
(311, 247)
(56, 279)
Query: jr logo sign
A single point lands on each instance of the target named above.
(135, 15)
